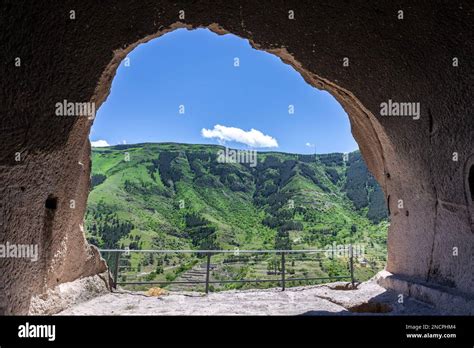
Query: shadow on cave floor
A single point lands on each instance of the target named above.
(386, 302)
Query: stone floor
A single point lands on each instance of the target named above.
(329, 299)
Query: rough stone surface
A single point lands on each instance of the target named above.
(407, 60)
(446, 300)
(69, 294)
(309, 300)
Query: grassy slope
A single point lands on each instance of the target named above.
(148, 195)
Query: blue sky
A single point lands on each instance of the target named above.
(242, 107)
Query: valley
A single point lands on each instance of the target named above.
(181, 197)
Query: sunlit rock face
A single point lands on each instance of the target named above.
(368, 57)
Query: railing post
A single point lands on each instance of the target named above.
(351, 262)
(282, 271)
(208, 266)
(116, 270)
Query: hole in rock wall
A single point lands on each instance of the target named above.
(51, 203)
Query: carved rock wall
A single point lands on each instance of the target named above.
(405, 60)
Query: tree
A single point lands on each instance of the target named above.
(282, 240)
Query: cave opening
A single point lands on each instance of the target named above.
(212, 117)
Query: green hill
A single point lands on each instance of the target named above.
(179, 196)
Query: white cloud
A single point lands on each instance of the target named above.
(309, 145)
(99, 143)
(253, 137)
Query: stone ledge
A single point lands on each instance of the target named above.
(446, 302)
(68, 294)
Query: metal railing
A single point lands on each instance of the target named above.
(114, 265)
